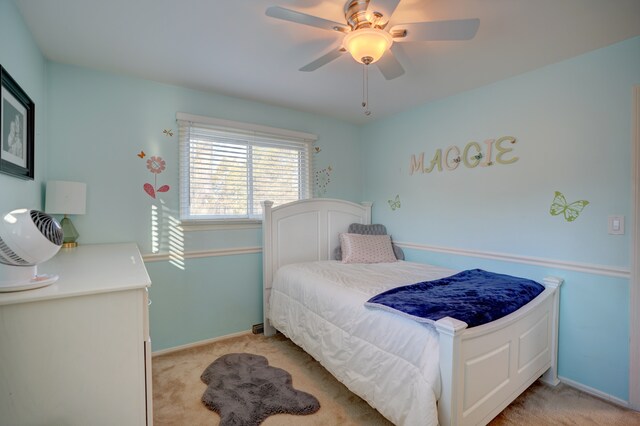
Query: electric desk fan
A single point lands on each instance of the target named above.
(27, 238)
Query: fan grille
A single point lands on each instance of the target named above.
(9, 257)
(47, 226)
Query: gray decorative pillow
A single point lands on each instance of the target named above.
(374, 229)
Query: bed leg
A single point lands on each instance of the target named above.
(449, 330)
(269, 330)
(551, 375)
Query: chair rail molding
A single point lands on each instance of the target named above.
(588, 268)
(197, 254)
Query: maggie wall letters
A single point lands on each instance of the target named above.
(471, 156)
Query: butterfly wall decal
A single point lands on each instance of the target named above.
(142, 154)
(168, 132)
(395, 203)
(559, 206)
(317, 149)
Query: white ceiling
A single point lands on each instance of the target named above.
(232, 47)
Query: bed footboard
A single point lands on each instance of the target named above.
(483, 369)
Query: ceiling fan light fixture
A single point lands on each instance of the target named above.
(369, 43)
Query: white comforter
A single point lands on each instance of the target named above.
(388, 360)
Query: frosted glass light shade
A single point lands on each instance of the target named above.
(66, 197)
(367, 42)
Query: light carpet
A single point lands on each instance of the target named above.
(177, 391)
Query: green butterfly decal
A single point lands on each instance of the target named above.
(570, 211)
(394, 204)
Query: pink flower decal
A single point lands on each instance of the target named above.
(156, 164)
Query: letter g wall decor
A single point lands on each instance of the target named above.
(471, 156)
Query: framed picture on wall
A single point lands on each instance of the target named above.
(17, 119)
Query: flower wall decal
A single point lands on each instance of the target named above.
(155, 165)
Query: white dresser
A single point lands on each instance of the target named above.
(78, 352)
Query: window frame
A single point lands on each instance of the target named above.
(187, 120)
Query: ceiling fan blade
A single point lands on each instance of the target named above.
(389, 66)
(383, 7)
(304, 19)
(461, 29)
(323, 60)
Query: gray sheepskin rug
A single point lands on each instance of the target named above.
(244, 390)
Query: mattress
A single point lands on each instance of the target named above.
(388, 360)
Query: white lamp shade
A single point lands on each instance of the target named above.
(66, 197)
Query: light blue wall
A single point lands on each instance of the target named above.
(210, 297)
(22, 59)
(572, 122)
(99, 122)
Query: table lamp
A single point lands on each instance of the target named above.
(66, 198)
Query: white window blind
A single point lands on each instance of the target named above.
(227, 168)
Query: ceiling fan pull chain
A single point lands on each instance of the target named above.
(365, 89)
(364, 102)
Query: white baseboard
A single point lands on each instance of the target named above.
(594, 392)
(199, 343)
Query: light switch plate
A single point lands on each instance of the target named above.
(616, 225)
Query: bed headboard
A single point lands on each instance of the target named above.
(303, 231)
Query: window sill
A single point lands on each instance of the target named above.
(220, 224)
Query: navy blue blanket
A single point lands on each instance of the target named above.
(474, 296)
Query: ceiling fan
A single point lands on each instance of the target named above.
(367, 37)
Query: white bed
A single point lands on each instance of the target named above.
(413, 374)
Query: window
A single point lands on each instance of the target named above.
(228, 168)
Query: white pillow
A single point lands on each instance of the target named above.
(358, 248)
